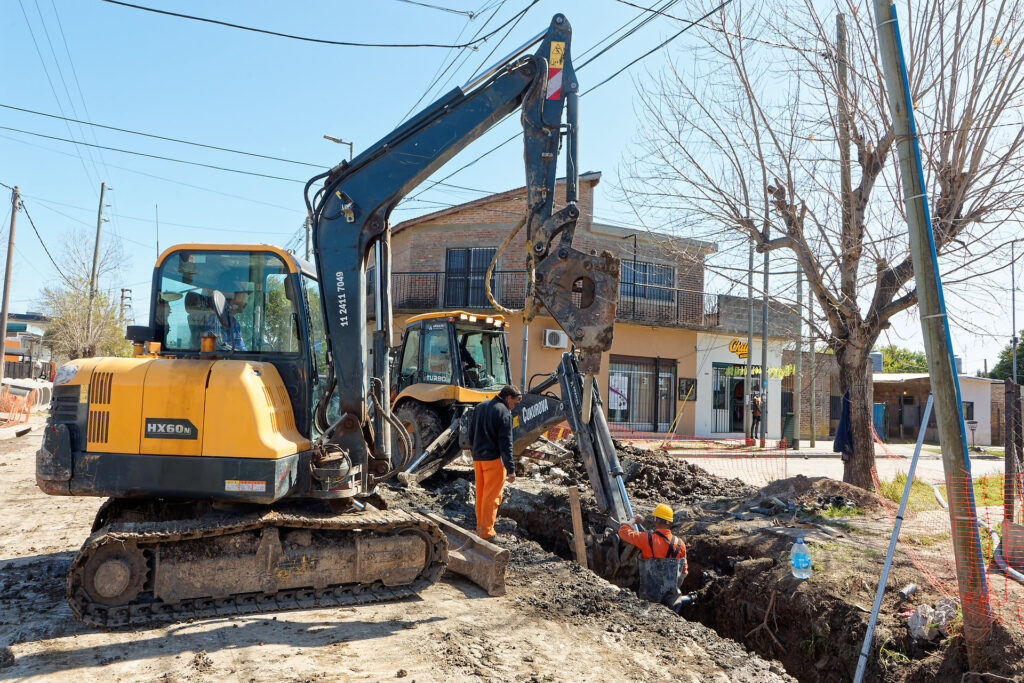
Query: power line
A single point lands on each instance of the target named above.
(159, 177)
(154, 156)
(313, 40)
(625, 35)
(661, 45)
(162, 137)
(469, 14)
(21, 205)
(49, 80)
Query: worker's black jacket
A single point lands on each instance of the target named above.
(492, 433)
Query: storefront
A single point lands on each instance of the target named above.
(722, 376)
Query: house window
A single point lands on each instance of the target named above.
(464, 273)
(646, 281)
(968, 410)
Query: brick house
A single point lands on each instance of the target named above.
(664, 316)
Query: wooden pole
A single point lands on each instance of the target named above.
(972, 580)
(577, 526)
(8, 276)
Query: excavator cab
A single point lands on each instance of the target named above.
(447, 361)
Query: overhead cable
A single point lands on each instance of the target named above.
(21, 205)
(318, 40)
(154, 156)
(161, 137)
(467, 13)
(660, 45)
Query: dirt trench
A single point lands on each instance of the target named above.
(739, 568)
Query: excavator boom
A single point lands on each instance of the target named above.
(350, 215)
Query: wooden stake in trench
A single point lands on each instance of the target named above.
(577, 526)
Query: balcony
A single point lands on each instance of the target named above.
(650, 304)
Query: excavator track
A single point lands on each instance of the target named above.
(228, 563)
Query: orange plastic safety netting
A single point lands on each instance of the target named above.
(728, 457)
(991, 577)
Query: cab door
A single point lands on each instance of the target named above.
(407, 371)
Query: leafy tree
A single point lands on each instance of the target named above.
(1003, 369)
(66, 303)
(898, 359)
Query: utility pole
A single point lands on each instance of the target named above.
(748, 385)
(764, 348)
(307, 226)
(7, 278)
(340, 142)
(92, 277)
(971, 576)
(798, 380)
(1013, 307)
(810, 338)
(126, 298)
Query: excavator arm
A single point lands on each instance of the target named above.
(351, 220)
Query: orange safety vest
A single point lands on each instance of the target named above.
(659, 544)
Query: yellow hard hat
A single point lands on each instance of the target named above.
(663, 512)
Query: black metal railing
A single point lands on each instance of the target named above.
(653, 304)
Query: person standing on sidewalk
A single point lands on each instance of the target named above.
(755, 414)
(492, 455)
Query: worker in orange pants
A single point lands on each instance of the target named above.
(492, 455)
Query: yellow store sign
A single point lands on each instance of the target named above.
(739, 348)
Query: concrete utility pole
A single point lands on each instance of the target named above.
(92, 277)
(308, 227)
(748, 387)
(7, 279)
(1013, 308)
(126, 298)
(798, 379)
(810, 339)
(970, 563)
(764, 348)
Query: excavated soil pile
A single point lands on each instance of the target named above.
(808, 490)
(533, 525)
(657, 477)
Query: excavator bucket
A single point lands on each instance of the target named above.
(480, 561)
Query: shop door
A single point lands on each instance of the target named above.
(635, 400)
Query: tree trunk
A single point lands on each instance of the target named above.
(853, 378)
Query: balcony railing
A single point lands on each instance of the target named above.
(652, 304)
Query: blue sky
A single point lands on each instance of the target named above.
(177, 78)
(274, 96)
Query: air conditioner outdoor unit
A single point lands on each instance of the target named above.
(555, 339)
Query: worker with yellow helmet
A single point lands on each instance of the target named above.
(663, 557)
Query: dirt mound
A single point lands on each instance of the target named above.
(652, 476)
(801, 489)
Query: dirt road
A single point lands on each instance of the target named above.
(557, 622)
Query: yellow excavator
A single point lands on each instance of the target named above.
(241, 446)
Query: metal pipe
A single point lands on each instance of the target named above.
(865, 649)
(494, 68)
(572, 167)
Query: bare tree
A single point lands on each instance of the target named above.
(67, 303)
(745, 138)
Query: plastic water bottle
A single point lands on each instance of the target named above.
(800, 559)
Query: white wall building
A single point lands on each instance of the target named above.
(721, 376)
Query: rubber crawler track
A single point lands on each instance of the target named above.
(148, 609)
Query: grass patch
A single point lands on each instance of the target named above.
(922, 496)
(988, 491)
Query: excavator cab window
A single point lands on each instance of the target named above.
(409, 367)
(483, 357)
(436, 365)
(242, 298)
